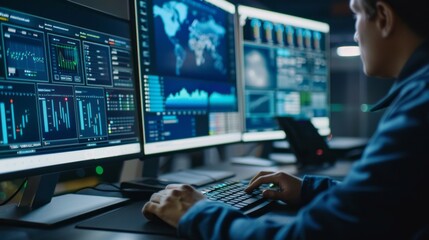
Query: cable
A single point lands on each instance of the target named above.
(132, 193)
(110, 184)
(117, 189)
(104, 190)
(14, 194)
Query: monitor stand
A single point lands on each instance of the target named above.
(38, 206)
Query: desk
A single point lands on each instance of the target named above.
(69, 230)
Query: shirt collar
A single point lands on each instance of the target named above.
(418, 59)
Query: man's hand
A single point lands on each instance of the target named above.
(289, 186)
(171, 203)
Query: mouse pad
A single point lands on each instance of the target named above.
(128, 219)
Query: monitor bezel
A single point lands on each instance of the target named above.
(204, 142)
(91, 156)
(269, 15)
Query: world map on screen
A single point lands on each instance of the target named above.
(195, 35)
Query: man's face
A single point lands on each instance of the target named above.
(367, 37)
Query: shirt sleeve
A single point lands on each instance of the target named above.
(227, 223)
(215, 220)
(313, 185)
(384, 196)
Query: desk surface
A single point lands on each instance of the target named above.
(70, 231)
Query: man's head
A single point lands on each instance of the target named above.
(414, 13)
(388, 31)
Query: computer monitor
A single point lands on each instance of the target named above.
(285, 72)
(68, 99)
(187, 64)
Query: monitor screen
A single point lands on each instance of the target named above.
(285, 72)
(67, 88)
(187, 64)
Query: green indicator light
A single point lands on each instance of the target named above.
(364, 107)
(337, 107)
(99, 170)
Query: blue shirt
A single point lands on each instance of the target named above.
(384, 196)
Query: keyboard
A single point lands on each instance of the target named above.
(232, 193)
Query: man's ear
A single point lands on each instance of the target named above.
(385, 18)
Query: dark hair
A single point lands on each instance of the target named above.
(413, 12)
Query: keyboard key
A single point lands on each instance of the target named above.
(232, 193)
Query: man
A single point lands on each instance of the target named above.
(385, 195)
